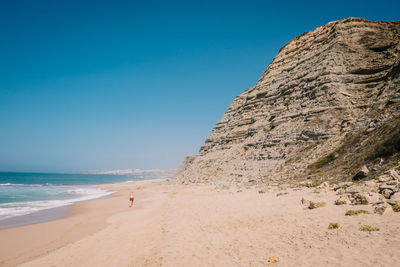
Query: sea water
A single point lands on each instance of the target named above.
(26, 193)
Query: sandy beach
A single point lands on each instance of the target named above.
(199, 225)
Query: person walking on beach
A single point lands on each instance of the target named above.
(131, 198)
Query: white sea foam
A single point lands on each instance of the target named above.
(12, 209)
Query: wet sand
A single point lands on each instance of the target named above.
(36, 217)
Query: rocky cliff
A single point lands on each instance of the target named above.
(324, 107)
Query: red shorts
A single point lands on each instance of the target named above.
(131, 199)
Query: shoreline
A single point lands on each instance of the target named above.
(60, 226)
(55, 213)
(35, 217)
(44, 215)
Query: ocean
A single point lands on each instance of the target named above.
(27, 193)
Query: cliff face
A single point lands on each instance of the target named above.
(324, 86)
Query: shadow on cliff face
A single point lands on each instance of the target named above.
(388, 147)
(378, 150)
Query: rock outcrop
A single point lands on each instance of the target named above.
(324, 86)
(372, 192)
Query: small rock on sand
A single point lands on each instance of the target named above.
(313, 203)
(383, 208)
(366, 198)
(342, 200)
(394, 199)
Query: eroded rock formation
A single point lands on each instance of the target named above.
(323, 85)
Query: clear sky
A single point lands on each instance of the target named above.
(96, 85)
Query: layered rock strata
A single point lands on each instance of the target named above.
(325, 84)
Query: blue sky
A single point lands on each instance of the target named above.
(137, 84)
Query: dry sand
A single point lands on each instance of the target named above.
(177, 225)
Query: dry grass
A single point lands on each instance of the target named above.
(333, 226)
(356, 212)
(368, 228)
